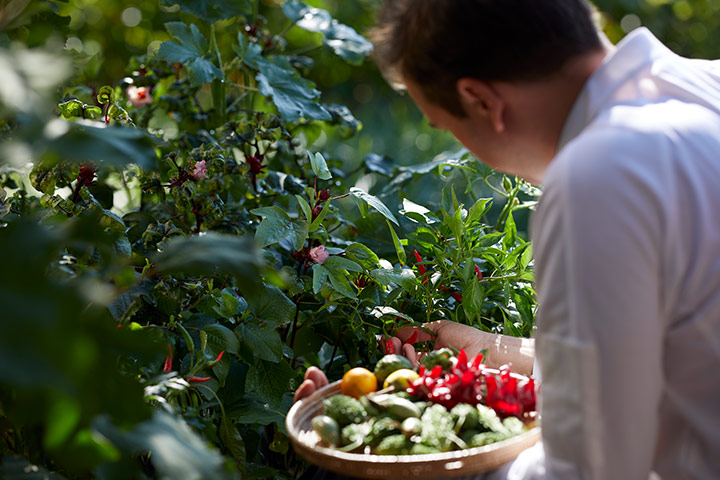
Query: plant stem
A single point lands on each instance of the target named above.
(255, 10)
(335, 347)
(218, 84)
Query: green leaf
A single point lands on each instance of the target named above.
(210, 254)
(269, 380)
(399, 250)
(343, 40)
(176, 451)
(489, 239)
(478, 209)
(190, 51)
(473, 298)
(378, 164)
(338, 279)
(227, 305)
(271, 304)
(374, 202)
(404, 277)
(382, 311)
(86, 141)
(254, 409)
(348, 124)
(305, 207)
(417, 213)
(510, 232)
(62, 419)
(340, 282)
(212, 10)
(526, 256)
(232, 440)
(294, 96)
(106, 94)
(344, 263)
(277, 226)
(74, 108)
(221, 338)
(319, 166)
(361, 254)
(201, 71)
(262, 340)
(319, 219)
(455, 222)
(320, 276)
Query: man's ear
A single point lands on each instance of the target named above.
(480, 98)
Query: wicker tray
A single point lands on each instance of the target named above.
(450, 464)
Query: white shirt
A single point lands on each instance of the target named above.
(627, 248)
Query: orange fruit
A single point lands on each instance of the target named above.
(357, 382)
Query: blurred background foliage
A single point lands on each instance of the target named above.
(392, 124)
(103, 34)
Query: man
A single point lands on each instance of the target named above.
(626, 143)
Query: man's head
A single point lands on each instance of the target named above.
(434, 43)
(501, 75)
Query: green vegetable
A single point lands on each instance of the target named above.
(388, 364)
(466, 417)
(381, 428)
(411, 426)
(371, 409)
(422, 449)
(437, 428)
(514, 425)
(442, 357)
(401, 409)
(353, 435)
(327, 429)
(344, 410)
(393, 445)
(488, 420)
(484, 438)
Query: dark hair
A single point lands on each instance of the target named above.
(434, 43)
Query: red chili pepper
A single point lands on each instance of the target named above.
(194, 379)
(413, 338)
(478, 272)
(472, 383)
(457, 296)
(389, 347)
(219, 357)
(421, 267)
(168, 360)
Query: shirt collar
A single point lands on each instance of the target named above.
(633, 53)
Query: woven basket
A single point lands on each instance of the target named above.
(449, 464)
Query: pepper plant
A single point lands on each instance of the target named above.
(180, 250)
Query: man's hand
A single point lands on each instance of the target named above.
(501, 350)
(314, 380)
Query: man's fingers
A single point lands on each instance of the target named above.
(397, 345)
(423, 335)
(305, 389)
(317, 376)
(410, 353)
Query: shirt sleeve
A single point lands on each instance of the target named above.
(597, 238)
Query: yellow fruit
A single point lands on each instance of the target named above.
(401, 379)
(358, 382)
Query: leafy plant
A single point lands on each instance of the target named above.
(193, 249)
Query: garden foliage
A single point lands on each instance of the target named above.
(177, 251)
